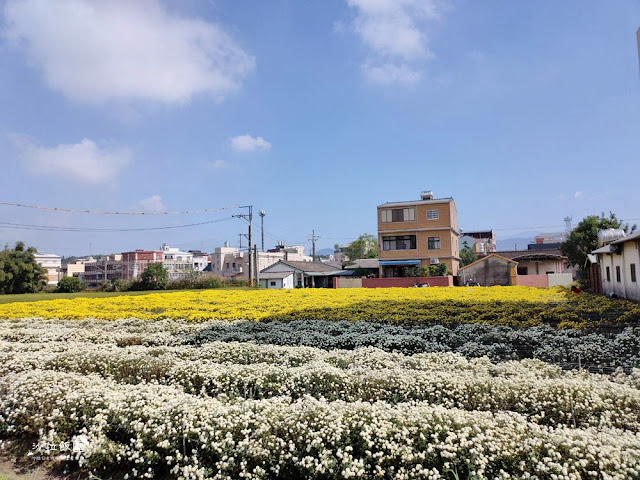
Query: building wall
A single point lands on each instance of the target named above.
(347, 282)
(542, 267)
(406, 282)
(533, 280)
(489, 272)
(625, 288)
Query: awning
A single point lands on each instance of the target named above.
(399, 262)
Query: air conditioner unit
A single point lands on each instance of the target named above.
(435, 261)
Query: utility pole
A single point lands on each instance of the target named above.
(313, 244)
(257, 268)
(262, 214)
(249, 217)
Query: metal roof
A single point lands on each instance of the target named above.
(399, 262)
(628, 238)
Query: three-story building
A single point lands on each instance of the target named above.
(418, 233)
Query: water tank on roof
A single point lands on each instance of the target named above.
(609, 235)
(426, 195)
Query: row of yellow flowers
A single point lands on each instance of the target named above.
(494, 305)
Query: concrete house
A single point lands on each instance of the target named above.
(418, 233)
(304, 274)
(619, 262)
(489, 271)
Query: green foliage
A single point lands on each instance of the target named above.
(19, 271)
(70, 285)
(439, 270)
(467, 255)
(366, 246)
(154, 277)
(584, 238)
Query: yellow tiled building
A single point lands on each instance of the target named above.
(418, 233)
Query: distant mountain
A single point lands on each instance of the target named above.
(514, 243)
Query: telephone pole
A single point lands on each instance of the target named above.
(249, 218)
(262, 214)
(313, 244)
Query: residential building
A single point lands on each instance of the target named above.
(134, 263)
(482, 241)
(76, 268)
(102, 271)
(526, 268)
(305, 274)
(619, 262)
(53, 264)
(178, 264)
(200, 260)
(369, 267)
(418, 233)
(489, 271)
(230, 262)
(546, 241)
(277, 280)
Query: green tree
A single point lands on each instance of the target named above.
(366, 246)
(70, 285)
(467, 255)
(584, 238)
(19, 270)
(154, 277)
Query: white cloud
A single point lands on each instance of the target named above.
(153, 204)
(393, 31)
(96, 51)
(247, 143)
(390, 74)
(579, 194)
(81, 162)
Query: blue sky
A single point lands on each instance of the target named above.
(317, 112)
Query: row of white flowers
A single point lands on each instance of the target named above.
(150, 430)
(543, 392)
(602, 351)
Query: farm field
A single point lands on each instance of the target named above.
(402, 383)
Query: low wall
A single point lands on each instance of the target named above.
(562, 279)
(347, 282)
(406, 282)
(533, 280)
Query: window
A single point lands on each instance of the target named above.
(227, 264)
(398, 215)
(433, 243)
(633, 272)
(617, 273)
(608, 274)
(272, 283)
(433, 214)
(234, 264)
(404, 242)
(523, 270)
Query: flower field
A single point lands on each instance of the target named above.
(515, 306)
(197, 387)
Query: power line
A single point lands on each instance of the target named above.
(52, 228)
(102, 212)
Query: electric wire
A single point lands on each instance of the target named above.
(103, 212)
(53, 228)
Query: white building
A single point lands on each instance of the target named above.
(178, 264)
(200, 260)
(230, 262)
(619, 262)
(53, 264)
